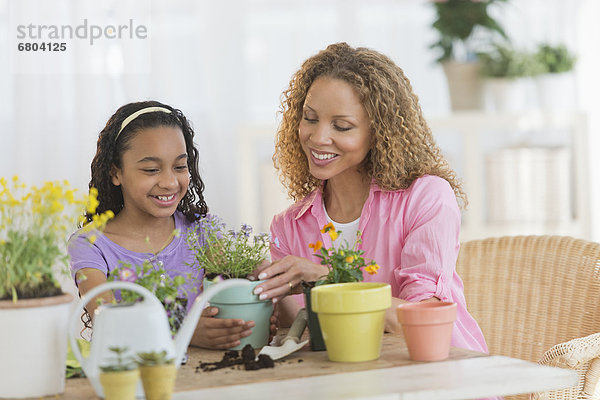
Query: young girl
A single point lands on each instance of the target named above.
(353, 149)
(146, 172)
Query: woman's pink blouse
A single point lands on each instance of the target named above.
(412, 234)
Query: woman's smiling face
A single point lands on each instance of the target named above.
(335, 129)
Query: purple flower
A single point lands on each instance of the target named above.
(127, 275)
(246, 230)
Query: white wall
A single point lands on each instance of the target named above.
(225, 64)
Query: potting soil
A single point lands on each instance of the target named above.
(232, 358)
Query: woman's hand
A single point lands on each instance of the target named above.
(220, 333)
(284, 277)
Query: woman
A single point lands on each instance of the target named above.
(354, 149)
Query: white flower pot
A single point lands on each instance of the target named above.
(465, 85)
(33, 345)
(556, 91)
(508, 95)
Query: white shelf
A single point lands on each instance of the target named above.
(471, 126)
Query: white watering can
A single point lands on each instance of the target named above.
(142, 327)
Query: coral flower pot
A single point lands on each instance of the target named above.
(427, 329)
(352, 317)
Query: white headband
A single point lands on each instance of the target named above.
(136, 114)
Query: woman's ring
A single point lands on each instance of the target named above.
(290, 285)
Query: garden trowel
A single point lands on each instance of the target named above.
(291, 342)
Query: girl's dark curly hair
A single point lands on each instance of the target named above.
(402, 146)
(111, 146)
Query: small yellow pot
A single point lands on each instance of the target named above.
(120, 385)
(352, 317)
(158, 381)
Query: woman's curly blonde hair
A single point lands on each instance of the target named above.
(402, 146)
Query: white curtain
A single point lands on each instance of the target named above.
(225, 64)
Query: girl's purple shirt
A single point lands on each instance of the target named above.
(105, 255)
(412, 234)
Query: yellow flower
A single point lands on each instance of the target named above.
(316, 246)
(92, 239)
(349, 259)
(93, 202)
(372, 269)
(327, 228)
(37, 219)
(333, 234)
(56, 207)
(70, 197)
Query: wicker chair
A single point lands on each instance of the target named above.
(537, 298)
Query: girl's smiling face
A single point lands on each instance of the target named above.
(154, 175)
(335, 129)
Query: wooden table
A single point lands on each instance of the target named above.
(310, 375)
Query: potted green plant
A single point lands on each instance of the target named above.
(464, 29)
(158, 374)
(120, 377)
(556, 84)
(226, 254)
(171, 292)
(508, 73)
(35, 222)
(345, 264)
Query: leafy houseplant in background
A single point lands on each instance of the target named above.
(508, 74)
(345, 265)
(465, 28)
(158, 374)
(119, 378)
(226, 254)
(556, 84)
(34, 227)
(171, 292)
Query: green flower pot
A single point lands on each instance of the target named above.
(314, 329)
(242, 303)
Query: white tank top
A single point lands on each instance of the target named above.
(349, 231)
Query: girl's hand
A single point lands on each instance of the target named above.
(284, 277)
(219, 333)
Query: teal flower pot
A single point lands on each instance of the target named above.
(242, 303)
